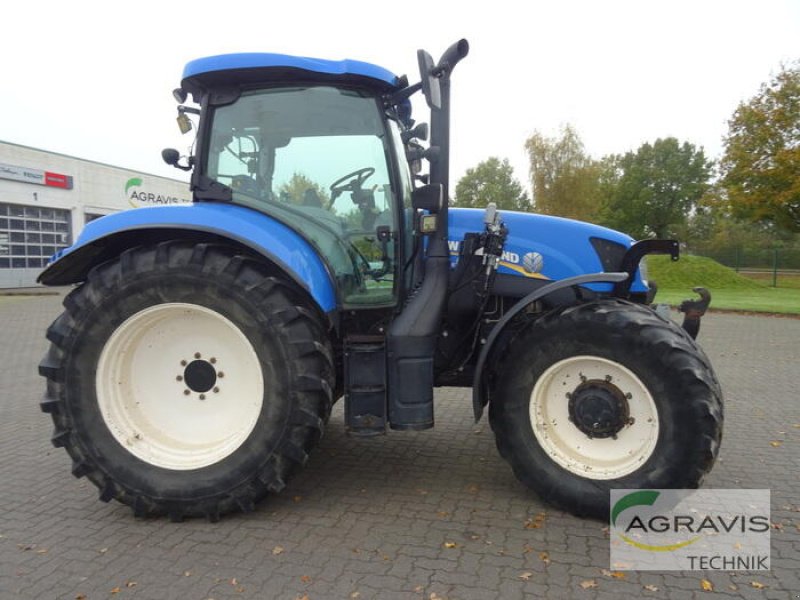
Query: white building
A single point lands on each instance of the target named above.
(47, 198)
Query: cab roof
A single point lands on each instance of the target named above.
(256, 67)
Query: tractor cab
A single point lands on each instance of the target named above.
(323, 147)
(317, 146)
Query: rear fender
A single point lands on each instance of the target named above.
(479, 395)
(109, 236)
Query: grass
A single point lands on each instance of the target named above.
(784, 279)
(729, 290)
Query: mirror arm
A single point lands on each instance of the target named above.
(404, 94)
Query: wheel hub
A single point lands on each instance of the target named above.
(607, 425)
(173, 426)
(599, 409)
(200, 376)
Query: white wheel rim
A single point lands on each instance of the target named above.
(572, 448)
(150, 381)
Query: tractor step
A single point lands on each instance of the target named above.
(365, 385)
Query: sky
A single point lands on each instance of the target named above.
(94, 79)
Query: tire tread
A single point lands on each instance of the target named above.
(304, 338)
(680, 356)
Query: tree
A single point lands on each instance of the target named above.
(301, 189)
(650, 193)
(761, 161)
(564, 178)
(710, 216)
(491, 181)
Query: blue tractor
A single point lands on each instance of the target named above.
(199, 354)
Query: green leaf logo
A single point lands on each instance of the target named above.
(132, 182)
(641, 498)
(644, 498)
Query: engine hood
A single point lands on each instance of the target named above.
(546, 247)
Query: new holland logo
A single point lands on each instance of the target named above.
(138, 195)
(533, 262)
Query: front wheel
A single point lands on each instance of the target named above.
(185, 379)
(605, 395)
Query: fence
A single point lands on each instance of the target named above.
(772, 265)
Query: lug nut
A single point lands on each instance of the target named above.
(216, 390)
(212, 360)
(179, 378)
(202, 396)
(220, 374)
(186, 392)
(183, 363)
(197, 355)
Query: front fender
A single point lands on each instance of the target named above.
(109, 236)
(479, 397)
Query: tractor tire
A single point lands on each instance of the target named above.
(187, 380)
(604, 395)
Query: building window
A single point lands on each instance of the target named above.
(22, 237)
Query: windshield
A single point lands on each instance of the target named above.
(316, 158)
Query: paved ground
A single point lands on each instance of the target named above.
(428, 515)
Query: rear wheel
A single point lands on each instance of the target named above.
(186, 380)
(605, 395)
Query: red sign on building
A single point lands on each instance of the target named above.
(35, 176)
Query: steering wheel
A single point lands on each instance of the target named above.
(358, 178)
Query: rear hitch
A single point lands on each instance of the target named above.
(693, 310)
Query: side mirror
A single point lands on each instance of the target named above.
(429, 197)
(430, 82)
(172, 157)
